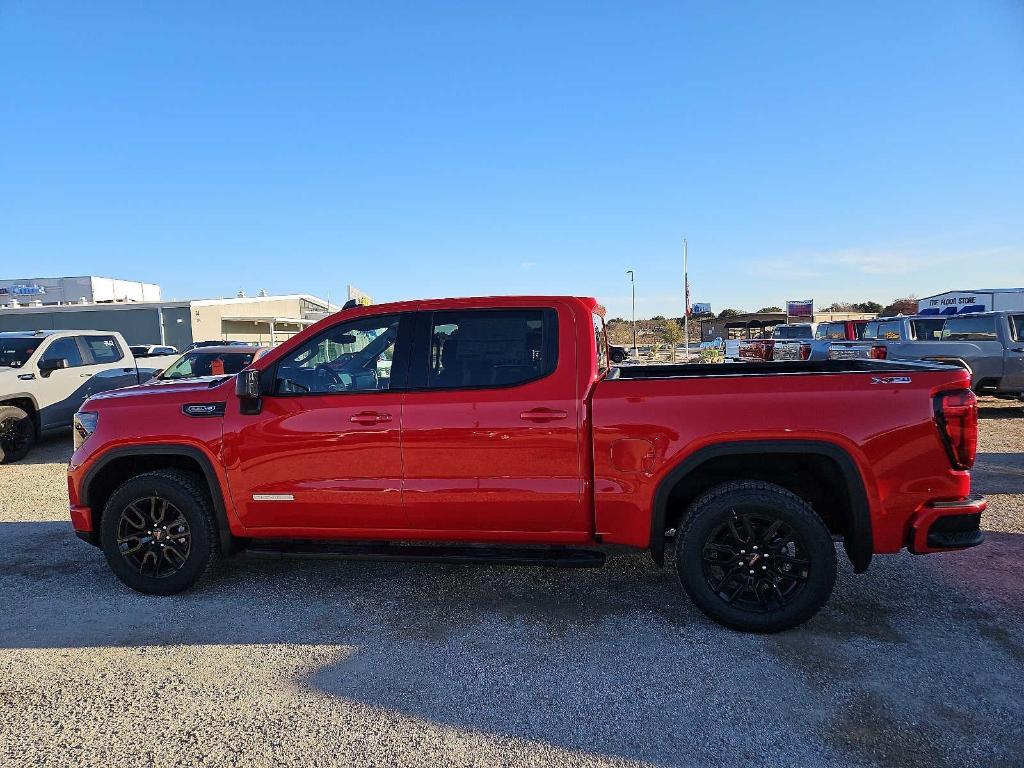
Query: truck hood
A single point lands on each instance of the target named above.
(171, 387)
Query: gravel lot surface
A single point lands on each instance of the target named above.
(919, 662)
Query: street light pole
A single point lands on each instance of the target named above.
(632, 287)
(686, 302)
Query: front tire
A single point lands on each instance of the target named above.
(158, 532)
(755, 557)
(17, 434)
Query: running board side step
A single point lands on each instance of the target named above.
(561, 557)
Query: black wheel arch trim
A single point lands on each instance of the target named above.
(164, 449)
(858, 543)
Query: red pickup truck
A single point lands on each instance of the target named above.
(494, 430)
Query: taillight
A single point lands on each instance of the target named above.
(879, 352)
(805, 351)
(956, 414)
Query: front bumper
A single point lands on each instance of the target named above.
(944, 526)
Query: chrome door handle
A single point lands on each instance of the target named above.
(543, 414)
(370, 417)
(85, 375)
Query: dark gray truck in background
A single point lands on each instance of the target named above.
(989, 344)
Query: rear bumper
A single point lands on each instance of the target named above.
(944, 526)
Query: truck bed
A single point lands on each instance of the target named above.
(700, 370)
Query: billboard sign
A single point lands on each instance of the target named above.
(800, 308)
(701, 308)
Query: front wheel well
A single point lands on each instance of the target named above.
(114, 472)
(823, 476)
(27, 405)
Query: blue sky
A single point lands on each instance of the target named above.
(836, 151)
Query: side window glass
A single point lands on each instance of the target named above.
(104, 349)
(64, 349)
(889, 331)
(491, 348)
(602, 346)
(1017, 327)
(351, 357)
(980, 328)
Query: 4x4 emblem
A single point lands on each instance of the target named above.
(890, 380)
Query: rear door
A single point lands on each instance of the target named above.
(492, 423)
(106, 365)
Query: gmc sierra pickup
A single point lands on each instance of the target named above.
(494, 430)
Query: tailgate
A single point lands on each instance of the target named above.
(853, 351)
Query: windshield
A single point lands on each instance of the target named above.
(199, 363)
(14, 353)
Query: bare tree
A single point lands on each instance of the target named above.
(672, 334)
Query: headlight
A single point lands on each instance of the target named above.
(84, 425)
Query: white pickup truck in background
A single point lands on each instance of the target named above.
(46, 375)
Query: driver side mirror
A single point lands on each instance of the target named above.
(46, 367)
(247, 384)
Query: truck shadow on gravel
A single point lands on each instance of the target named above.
(998, 473)
(918, 662)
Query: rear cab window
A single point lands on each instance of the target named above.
(927, 330)
(491, 347)
(977, 328)
(889, 330)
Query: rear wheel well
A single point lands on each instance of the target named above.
(823, 477)
(815, 479)
(99, 486)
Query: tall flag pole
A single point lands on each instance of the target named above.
(686, 301)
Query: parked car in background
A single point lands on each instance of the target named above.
(988, 344)
(888, 337)
(498, 433)
(46, 375)
(210, 362)
(151, 350)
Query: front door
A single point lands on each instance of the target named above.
(61, 392)
(491, 427)
(324, 454)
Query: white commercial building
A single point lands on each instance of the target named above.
(982, 300)
(87, 289)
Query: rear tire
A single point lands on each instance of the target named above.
(17, 434)
(755, 557)
(158, 532)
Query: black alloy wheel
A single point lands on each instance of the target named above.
(756, 561)
(159, 533)
(154, 537)
(17, 434)
(755, 557)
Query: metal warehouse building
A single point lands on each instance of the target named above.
(261, 319)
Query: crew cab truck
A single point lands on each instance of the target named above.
(887, 337)
(988, 344)
(494, 430)
(46, 375)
